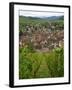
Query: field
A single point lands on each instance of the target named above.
(41, 47)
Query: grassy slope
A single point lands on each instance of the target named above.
(41, 65)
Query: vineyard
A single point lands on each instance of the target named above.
(41, 47)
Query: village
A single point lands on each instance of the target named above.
(42, 38)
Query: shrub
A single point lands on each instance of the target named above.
(55, 62)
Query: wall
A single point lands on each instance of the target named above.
(4, 43)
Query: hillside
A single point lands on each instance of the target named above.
(42, 34)
(41, 47)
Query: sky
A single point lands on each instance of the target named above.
(40, 13)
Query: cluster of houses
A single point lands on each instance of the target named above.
(41, 27)
(42, 39)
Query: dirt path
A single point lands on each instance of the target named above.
(43, 70)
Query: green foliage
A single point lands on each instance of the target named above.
(37, 65)
(25, 66)
(55, 62)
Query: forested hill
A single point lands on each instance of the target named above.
(22, 18)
